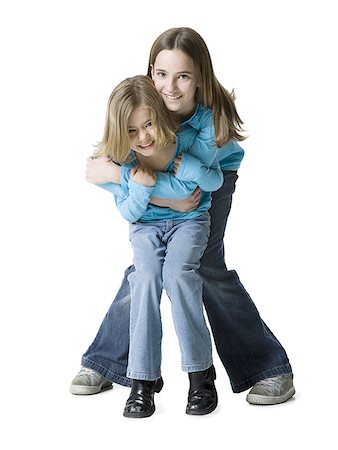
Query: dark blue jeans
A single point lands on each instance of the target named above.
(247, 348)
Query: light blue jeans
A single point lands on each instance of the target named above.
(166, 256)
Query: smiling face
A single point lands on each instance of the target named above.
(142, 134)
(175, 78)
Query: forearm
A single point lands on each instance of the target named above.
(130, 208)
(208, 178)
(102, 170)
(169, 187)
(135, 204)
(114, 188)
(187, 204)
(162, 202)
(105, 174)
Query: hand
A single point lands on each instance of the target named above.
(102, 170)
(142, 175)
(184, 205)
(177, 163)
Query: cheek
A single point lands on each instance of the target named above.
(191, 90)
(158, 84)
(151, 133)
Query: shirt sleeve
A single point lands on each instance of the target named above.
(114, 188)
(134, 202)
(134, 206)
(200, 163)
(209, 179)
(169, 187)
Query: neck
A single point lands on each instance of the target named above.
(184, 115)
(159, 161)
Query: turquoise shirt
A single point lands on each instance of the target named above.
(202, 165)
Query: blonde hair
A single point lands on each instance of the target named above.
(210, 93)
(125, 98)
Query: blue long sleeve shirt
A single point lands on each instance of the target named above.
(202, 163)
(134, 203)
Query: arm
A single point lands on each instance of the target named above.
(107, 175)
(170, 187)
(104, 173)
(134, 203)
(187, 204)
(200, 163)
(187, 167)
(102, 170)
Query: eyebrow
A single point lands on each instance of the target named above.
(133, 126)
(182, 71)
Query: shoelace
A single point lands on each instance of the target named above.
(273, 381)
(86, 371)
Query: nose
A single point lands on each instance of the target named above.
(143, 133)
(171, 84)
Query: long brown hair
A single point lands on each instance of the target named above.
(125, 98)
(210, 93)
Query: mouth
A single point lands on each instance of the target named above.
(146, 146)
(172, 98)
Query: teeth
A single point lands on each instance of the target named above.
(170, 97)
(146, 145)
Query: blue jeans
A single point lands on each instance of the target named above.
(166, 256)
(247, 348)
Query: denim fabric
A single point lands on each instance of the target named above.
(166, 256)
(247, 348)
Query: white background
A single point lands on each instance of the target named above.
(64, 247)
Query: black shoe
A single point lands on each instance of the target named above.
(202, 396)
(141, 400)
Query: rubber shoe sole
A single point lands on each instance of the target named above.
(256, 399)
(90, 390)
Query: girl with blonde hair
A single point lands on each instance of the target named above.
(167, 244)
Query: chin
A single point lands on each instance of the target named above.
(173, 107)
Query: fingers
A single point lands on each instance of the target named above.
(177, 162)
(196, 195)
(102, 158)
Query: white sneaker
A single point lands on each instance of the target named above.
(272, 391)
(88, 381)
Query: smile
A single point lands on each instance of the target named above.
(172, 98)
(145, 146)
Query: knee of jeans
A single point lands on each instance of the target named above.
(179, 273)
(146, 273)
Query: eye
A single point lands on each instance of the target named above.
(161, 74)
(149, 124)
(184, 76)
(131, 131)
